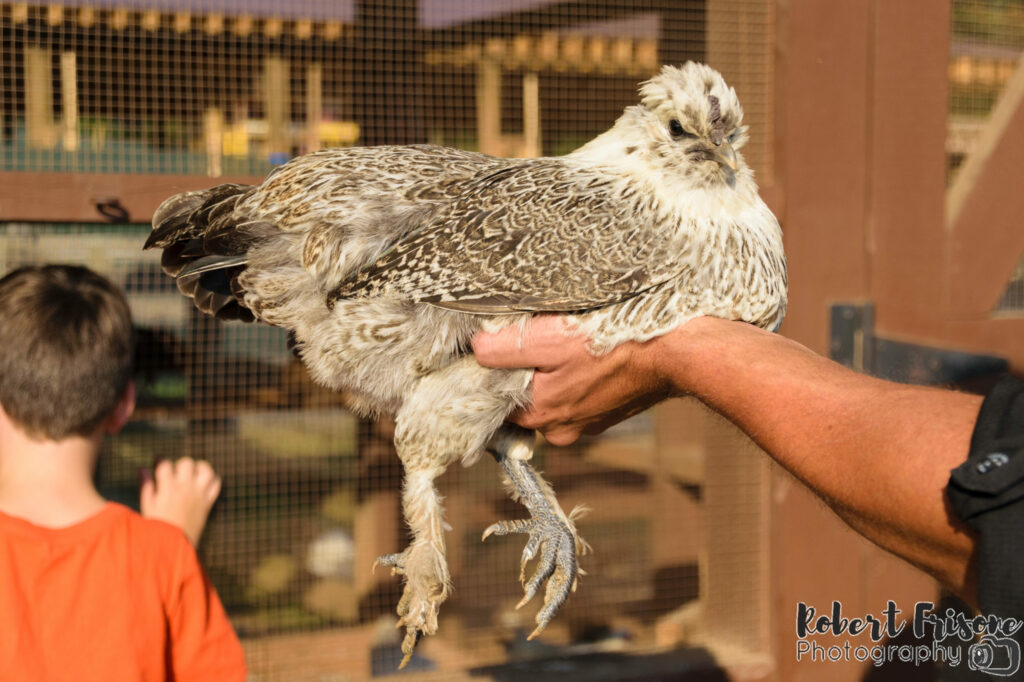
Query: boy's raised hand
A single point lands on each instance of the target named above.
(180, 493)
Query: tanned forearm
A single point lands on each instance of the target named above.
(878, 453)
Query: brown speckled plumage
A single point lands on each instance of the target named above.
(384, 261)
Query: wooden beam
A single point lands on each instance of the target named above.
(213, 136)
(314, 105)
(69, 100)
(983, 209)
(70, 197)
(906, 174)
(277, 104)
(571, 54)
(488, 107)
(40, 128)
(531, 115)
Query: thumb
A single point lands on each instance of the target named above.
(147, 491)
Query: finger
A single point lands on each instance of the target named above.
(503, 349)
(163, 471)
(562, 436)
(185, 468)
(214, 490)
(541, 343)
(529, 418)
(204, 473)
(147, 491)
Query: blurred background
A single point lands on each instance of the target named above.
(886, 137)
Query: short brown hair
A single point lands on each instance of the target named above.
(66, 349)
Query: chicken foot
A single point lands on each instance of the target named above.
(550, 530)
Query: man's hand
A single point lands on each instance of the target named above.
(574, 392)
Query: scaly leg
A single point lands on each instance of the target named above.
(550, 530)
(449, 416)
(423, 563)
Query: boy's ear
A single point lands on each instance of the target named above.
(123, 411)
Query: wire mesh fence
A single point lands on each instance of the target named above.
(224, 88)
(986, 57)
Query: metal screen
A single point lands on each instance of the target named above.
(987, 41)
(986, 54)
(233, 88)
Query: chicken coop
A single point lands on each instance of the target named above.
(883, 135)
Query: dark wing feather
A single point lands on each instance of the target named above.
(541, 236)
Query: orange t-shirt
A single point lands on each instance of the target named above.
(115, 597)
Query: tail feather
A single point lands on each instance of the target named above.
(205, 245)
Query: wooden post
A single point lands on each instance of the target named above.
(39, 124)
(488, 106)
(531, 115)
(277, 106)
(314, 105)
(213, 135)
(69, 100)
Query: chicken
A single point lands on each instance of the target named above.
(383, 262)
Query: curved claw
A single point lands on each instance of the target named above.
(412, 638)
(557, 566)
(529, 552)
(545, 569)
(509, 527)
(395, 561)
(421, 597)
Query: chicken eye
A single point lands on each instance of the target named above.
(734, 135)
(677, 130)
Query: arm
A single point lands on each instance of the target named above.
(878, 453)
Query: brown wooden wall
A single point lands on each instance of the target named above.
(861, 91)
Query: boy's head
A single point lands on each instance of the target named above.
(66, 349)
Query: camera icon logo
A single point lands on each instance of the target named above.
(994, 655)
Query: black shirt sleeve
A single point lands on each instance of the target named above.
(987, 493)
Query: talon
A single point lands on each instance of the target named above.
(409, 642)
(490, 530)
(536, 631)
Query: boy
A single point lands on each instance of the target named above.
(90, 590)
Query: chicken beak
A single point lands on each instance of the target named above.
(726, 155)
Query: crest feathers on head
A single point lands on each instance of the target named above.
(717, 124)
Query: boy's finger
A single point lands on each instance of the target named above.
(214, 489)
(185, 468)
(162, 469)
(147, 490)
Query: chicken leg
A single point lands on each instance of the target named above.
(550, 530)
(422, 563)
